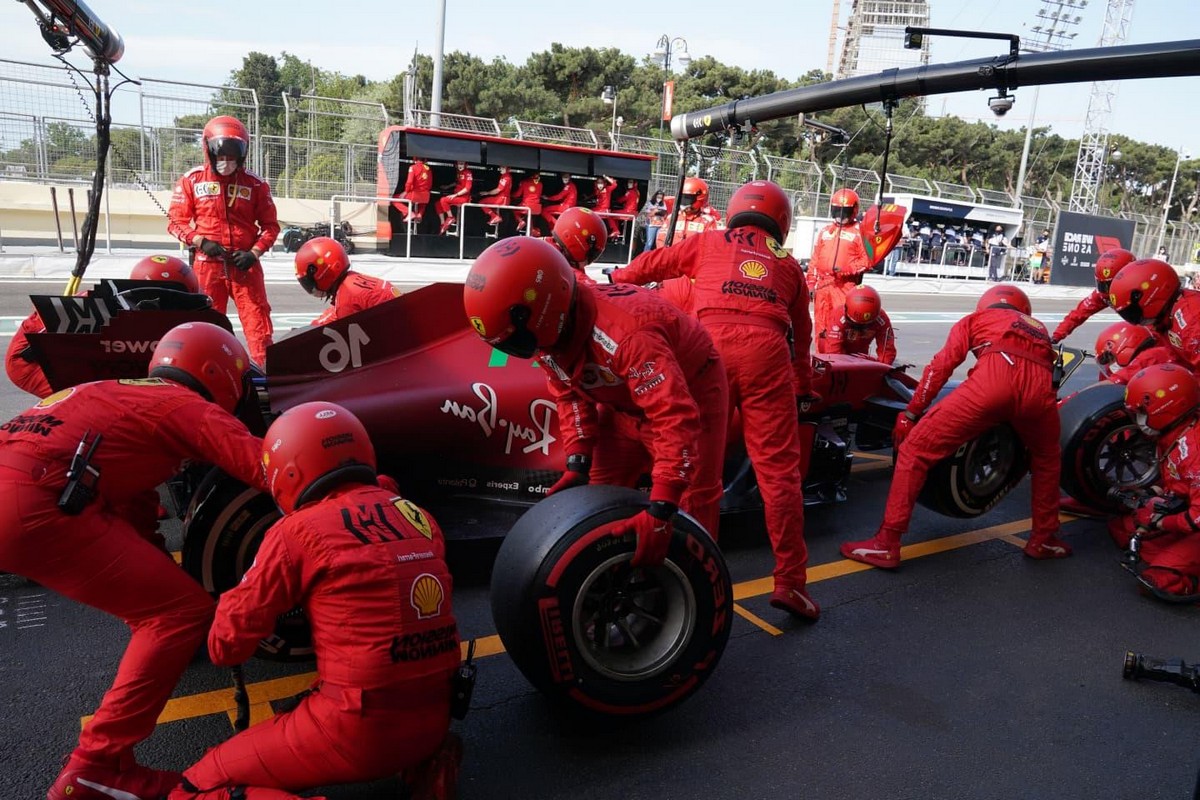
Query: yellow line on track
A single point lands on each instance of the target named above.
(261, 693)
(756, 620)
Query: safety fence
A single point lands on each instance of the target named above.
(312, 147)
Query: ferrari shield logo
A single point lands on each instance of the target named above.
(415, 516)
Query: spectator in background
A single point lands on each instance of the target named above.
(1162, 254)
(656, 217)
(997, 249)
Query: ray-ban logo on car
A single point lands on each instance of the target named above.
(534, 430)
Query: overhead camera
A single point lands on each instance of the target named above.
(1001, 104)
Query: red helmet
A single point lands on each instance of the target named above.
(1144, 291)
(843, 206)
(226, 136)
(519, 295)
(1004, 294)
(580, 235)
(321, 264)
(863, 305)
(1121, 341)
(203, 357)
(695, 193)
(166, 268)
(1161, 396)
(1109, 264)
(762, 204)
(313, 448)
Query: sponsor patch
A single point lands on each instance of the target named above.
(207, 189)
(754, 270)
(604, 340)
(58, 396)
(427, 595)
(777, 250)
(477, 324)
(415, 516)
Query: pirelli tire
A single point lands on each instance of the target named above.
(978, 475)
(1102, 447)
(595, 635)
(223, 528)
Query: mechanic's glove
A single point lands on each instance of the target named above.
(1152, 515)
(243, 259)
(212, 249)
(807, 402)
(904, 425)
(387, 483)
(608, 273)
(578, 467)
(1055, 339)
(653, 530)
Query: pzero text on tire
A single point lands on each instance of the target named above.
(978, 475)
(223, 529)
(595, 634)
(1102, 447)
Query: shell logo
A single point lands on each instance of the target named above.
(1160, 394)
(427, 595)
(754, 270)
(477, 324)
(58, 396)
(530, 295)
(1145, 285)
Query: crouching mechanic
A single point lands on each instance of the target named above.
(1148, 292)
(1108, 266)
(78, 514)
(26, 374)
(369, 569)
(751, 296)
(1122, 349)
(323, 270)
(1165, 400)
(1010, 382)
(863, 321)
(652, 370)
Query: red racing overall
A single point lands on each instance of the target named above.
(689, 223)
(1172, 551)
(850, 338)
(110, 556)
(500, 196)
(1010, 382)
(369, 570)
(238, 213)
(838, 262)
(1088, 307)
(529, 195)
(749, 292)
(1182, 328)
(417, 185)
(26, 374)
(655, 375)
(559, 202)
(463, 179)
(357, 292)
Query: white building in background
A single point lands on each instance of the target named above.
(875, 37)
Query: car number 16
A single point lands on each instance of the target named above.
(342, 351)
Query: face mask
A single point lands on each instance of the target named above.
(226, 167)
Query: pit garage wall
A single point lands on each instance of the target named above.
(27, 217)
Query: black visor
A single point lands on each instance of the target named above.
(227, 146)
(522, 342)
(842, 214)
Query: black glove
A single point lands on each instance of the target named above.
(243, 259)
(805, 402)
(608, 273)
(212, 249)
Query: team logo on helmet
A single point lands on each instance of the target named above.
(477, 324)
(754, 270)
(530, 295)
(415, 516)
(325, 413)
(427, 595)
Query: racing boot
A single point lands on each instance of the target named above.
(1047, 547)
(436, 778)
(876, 551)
(796, 602)
(82, 779)
(446, 223)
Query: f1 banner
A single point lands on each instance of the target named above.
(1079, 239)
(668, 100)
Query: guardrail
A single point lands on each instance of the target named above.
(462, 211)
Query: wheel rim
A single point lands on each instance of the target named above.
(1126, 458)
(631, 623)
(989, 462)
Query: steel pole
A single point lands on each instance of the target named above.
(439, 35)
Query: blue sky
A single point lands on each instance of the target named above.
(203, 42)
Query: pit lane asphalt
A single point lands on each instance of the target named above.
(971, 672)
